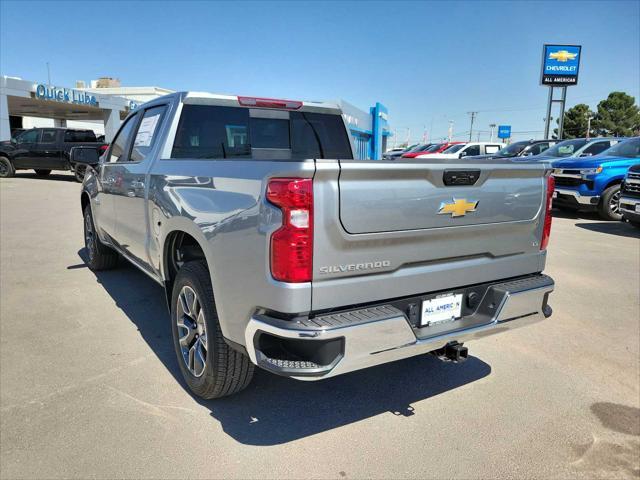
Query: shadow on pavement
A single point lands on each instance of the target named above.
(621, 229)
(275, 410)
(20, 175)
(575, 214)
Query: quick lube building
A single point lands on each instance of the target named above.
(103, 105)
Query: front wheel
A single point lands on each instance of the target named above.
(42, 172)
(100, 256)
(6, 168)
(79, 171)
(209, 366)
(609, 207)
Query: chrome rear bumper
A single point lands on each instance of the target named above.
(369, 343)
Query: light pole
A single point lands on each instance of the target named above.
(589, 118)
(450, 129)
(473, 117)
(492, 126)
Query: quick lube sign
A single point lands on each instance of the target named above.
(65, 95)
(560, 64)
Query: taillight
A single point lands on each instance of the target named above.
(102, 149)
(546, 230)
(269, 103)
(291, 249)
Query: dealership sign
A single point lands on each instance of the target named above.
(65, 95)
(560, 64)
(504, 131)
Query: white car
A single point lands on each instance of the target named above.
(469, 149)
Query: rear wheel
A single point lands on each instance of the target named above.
(79, 171)
(609, 207)
(6, 168)
(209, 366)
(100, 256)
(42, 172)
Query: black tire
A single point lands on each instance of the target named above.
(6, 168)
(100, 257)
(42, 172)
(79, 171)
(226, 371)
(608, 208)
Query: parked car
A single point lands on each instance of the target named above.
(275, 248)
(430, 149)
(398, 152)
(469, 149)
(630, 196)
(577, 147)
(523, 148)
(44, 150)
(593, 183)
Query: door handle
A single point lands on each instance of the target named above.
(137, 184)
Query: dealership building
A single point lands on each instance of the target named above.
(103, 105)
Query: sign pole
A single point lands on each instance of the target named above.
(561, 121)
(547, 120)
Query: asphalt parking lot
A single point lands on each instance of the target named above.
(90, 387)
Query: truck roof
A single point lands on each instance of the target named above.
(207, 98)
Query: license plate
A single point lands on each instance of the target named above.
(638, 207)
(555, 195)
(441, 309)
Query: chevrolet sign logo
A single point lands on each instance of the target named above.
(562, 56)
(457, 208)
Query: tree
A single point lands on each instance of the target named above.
(575, 122)
(618, 116)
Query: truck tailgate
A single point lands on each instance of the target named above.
(391, 229)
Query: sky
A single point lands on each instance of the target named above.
(428, 62)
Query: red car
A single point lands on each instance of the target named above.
(435, 148)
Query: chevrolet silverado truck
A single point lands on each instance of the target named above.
(277, 249)
(593, 183)
(630, 196)
(44, 150)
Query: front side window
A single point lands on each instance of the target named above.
(147, 133)
(78, 136)
(119, 144)
(48, 136)
(596, 148)
(628, 148)
(513, 150)
(472, 150)
(566, 148)
(30, 136)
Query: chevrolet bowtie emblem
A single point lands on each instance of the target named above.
(562, 56)
(458, 208)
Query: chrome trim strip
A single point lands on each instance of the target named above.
(384, 341)
(582, 199)
(629, 201)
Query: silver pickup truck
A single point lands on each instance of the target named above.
(277, 249)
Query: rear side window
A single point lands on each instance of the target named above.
(212, 132)
(206, 131)
(596, 148)
(77, 136)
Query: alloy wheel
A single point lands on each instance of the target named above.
(614, 204)
(192, 331)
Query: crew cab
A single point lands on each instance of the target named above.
(630, 196)
(468, 149)
(593, 183)
(277, 249)
(44, 150)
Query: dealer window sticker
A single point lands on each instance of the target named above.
(146, 131)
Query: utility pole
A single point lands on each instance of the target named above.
(589, 118)
(48, 74)
(450, 129)
(492, 126)
(408, 135)
(473, 117)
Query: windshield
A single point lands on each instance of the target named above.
(629, 148)
(454, 148)
(512, 150)
(566, 148)
(435, 147)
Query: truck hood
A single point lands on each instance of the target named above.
(592, 162)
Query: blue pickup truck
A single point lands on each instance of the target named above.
(593, 183)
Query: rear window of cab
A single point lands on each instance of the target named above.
(216, 132)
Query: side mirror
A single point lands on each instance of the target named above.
(462, 154)
(85, 155)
